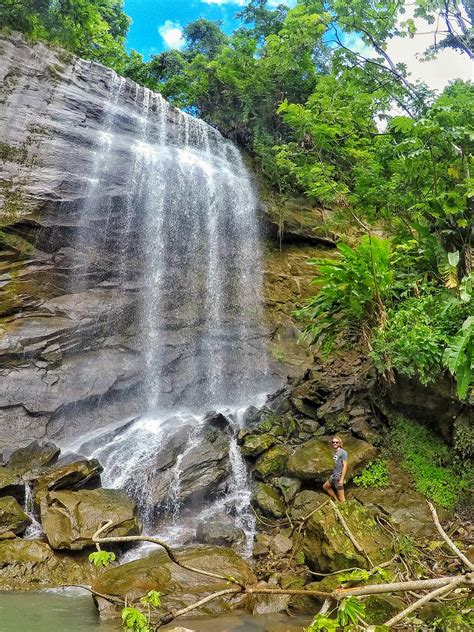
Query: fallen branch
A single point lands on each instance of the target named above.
(448, 540)
(420, 584)
(166, 547)
(179, 613)
(349, 533)
(425, 599)
(306, 518)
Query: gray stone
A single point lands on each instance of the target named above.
(221, 532)
(289, 487)
(281, 545)
(70, 519)
(268, 500)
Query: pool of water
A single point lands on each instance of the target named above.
(72, 610)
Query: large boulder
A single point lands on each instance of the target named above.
(33, 457)
(268, 500)
(73, 476)
(272, 462)
(203, 467)
(12, 516)
(70, 519)
(220, 532)
(313, 459)
(11, 484)
(179, 587)
(32, 565)
(328, 548)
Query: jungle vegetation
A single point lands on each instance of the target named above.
(343, 124)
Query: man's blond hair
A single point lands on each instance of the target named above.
(338, 438)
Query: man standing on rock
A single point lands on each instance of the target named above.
(334, 486)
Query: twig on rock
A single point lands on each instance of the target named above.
(306, 518)
(349, 533)
(179, 613)
(448, 540)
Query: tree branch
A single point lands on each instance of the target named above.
(448, 540)
(421, 584)
(421, 602)
(169, 551)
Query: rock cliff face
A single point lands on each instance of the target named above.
(71, 352)
(62, 353)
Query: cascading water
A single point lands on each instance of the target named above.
(184, 242)
(34, 530)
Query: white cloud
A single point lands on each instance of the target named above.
(436, 73)
(172, 34)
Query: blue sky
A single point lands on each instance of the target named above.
(157, 26)
(157, 23)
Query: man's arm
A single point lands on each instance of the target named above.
(343, 473)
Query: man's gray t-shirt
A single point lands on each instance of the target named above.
(339, 456)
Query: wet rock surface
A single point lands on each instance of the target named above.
(33, 565)
(12, 516)
(70, 519)
(178, 586)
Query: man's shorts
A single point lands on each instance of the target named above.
(335, 484)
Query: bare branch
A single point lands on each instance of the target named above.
(421, 584)
(169, 551)
(448, 540)
(421, 602)
(198, 604)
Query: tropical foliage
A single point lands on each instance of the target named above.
(312, 93)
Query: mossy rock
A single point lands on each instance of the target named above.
(70, 519)
(179, 587)
(313, 460)
(12, 516)
(381, 608)
(272, 462)
(32, 565)
(255, 444)
(327, 546)
(268, 500)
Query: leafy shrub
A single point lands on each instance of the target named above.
(349, 611)
(416, 334)
(459, 357)
(375, 474)
(352, 292)
(101, 558)
(431, 463)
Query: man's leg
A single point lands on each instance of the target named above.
(340, 495)
(329, 490)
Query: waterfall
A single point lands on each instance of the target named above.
(34, 530)
(180, 254)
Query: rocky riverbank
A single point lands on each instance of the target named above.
(300, 542)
